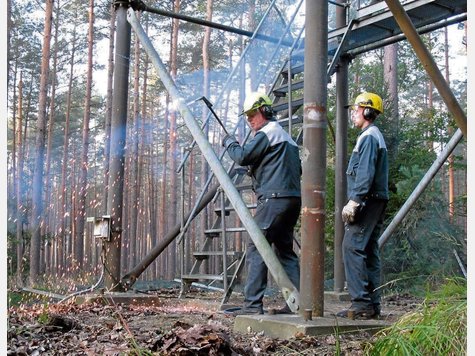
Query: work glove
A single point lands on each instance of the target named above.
(349, 211)
(228, 140)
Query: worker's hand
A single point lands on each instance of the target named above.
(227, 140)
(349, 211)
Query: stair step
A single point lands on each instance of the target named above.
(240, 170)
(231, 208)
(284, 106)
(195, 277)
(298, 67)
(206, 254)
(216, 232)
(296, 119)
(293, 70)
(298, 55)
(281, 91)
(244, 187)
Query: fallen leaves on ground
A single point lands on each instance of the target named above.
(176, 327)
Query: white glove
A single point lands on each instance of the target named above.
(228, 140)
(349, 211)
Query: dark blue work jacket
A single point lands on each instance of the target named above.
(273, 160)
(367, 173)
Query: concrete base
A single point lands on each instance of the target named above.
(288, 326)
(130, 298)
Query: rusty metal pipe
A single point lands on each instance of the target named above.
(117, 151)
(341, 147)
(314, 157)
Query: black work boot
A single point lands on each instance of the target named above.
(377, 311)
(360, 313)
(284, 310)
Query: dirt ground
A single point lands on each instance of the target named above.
(190, 326)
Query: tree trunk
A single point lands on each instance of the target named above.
(147, 196)
(252, 26)
(61, 236)
(450, 133)
(430, 97)
(107, 128)
(70, 248)
(162, 228)
(391, 79)
(134, 156)
(12, 181)
(19, 185)
(9, 28)
(157, 188)
(46, 227)
(242, 87)
(37, 209)
(82, 191)
(173, 147)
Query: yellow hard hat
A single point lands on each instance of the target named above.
(254, 101)
(369, 100)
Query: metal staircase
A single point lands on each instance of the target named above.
(217, 246)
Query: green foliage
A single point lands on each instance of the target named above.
(15, 299)
(410, 176)
(424, 242)
(43, 318)
(438, 328)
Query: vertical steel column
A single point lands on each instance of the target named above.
(429, 64)
(341, 148)
(341, 158)
(117, 150)
(314, 156)
(340, 170)
(289, 92)
(224, 239)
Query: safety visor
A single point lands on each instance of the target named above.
(351, 106)
(363, 104)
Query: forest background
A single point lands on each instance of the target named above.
(58, 105)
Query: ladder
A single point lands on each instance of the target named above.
(217, 243)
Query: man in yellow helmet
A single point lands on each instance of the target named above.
(367, 189)
(275, 169)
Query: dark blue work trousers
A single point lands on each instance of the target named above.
(277, 218)
(361, 255)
